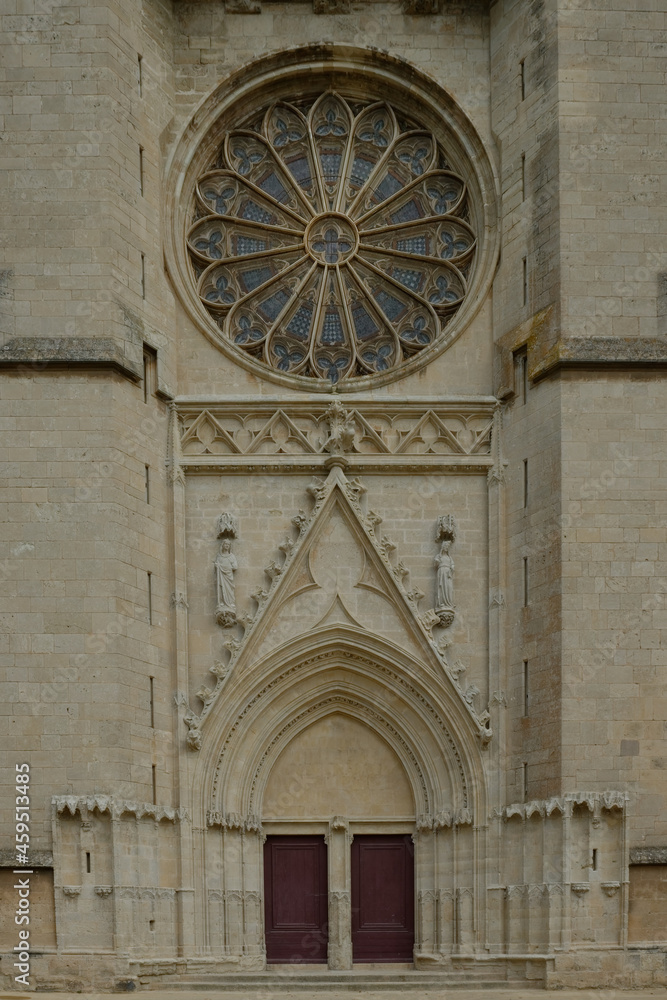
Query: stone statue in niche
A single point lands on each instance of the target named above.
(444, 601)
(445, 587)
(225, 567)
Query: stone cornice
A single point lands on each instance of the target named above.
(34, 354)
(36, 859)
(607, 353)
(648, 855)
(427, 8)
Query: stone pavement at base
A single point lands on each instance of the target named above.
(408, 993)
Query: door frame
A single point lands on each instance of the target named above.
(317, 841)
(403, 938)
(339, 834)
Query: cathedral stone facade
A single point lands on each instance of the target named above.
(333, 438)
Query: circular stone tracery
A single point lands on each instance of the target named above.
(332, 240)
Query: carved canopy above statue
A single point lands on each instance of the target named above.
(331, 238)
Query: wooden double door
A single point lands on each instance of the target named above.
(296, 899)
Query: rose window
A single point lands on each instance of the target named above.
(331, 241)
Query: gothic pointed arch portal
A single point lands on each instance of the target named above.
(336, 717)
(324, 701)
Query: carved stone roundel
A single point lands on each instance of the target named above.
(331, 239)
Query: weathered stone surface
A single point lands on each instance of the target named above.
(504, 705)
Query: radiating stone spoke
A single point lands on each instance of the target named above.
(286, 272)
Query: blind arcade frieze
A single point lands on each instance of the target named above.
(394, 433)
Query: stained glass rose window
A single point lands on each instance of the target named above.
(331, 240)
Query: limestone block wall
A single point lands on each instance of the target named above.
(611, 131)
(525, 112)
(116, 876)
(79, 644)
(576, 96)
(453, 48)
(614, 587)
(81, 191)
(531, 443)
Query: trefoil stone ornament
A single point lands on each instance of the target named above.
(444, 604)
(225, 567)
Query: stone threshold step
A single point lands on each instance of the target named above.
(325, 988)
(413, 990)
(339, 976)
(279, 984)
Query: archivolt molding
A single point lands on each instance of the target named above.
(341, 650)
(309, 71)
(350, 706)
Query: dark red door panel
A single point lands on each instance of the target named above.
(295, 899)
(382, 898)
